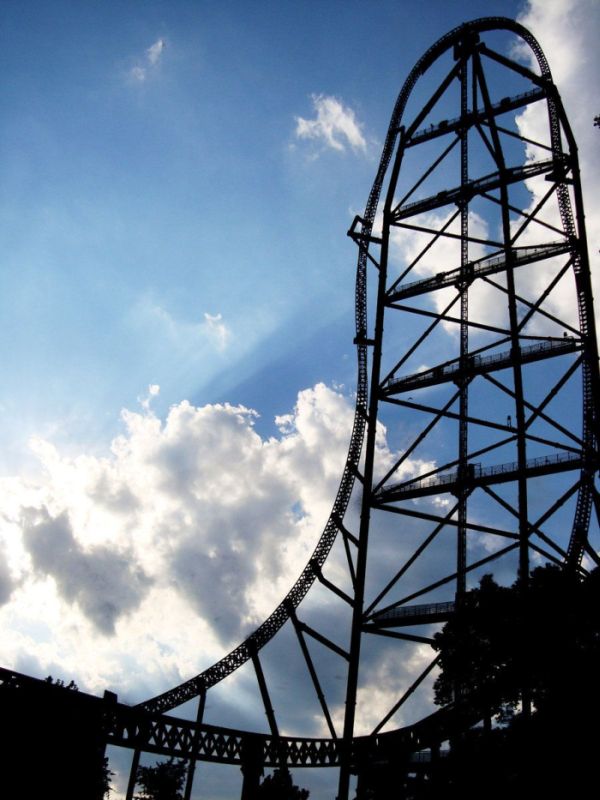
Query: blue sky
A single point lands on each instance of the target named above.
(176, 183)
(142, 192)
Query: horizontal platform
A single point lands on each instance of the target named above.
(487, 183)
(477, 269)
(446, 126)
(476, 475)
(478, 365)
(422, 614)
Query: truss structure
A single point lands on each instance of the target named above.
(487, 383)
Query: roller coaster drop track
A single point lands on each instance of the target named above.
(482, 243)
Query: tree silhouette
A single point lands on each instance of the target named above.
(279, 786)
(477, 644)
(59, 682)
(547, 638)
(502, 637)
(106, 776)
(163, 781)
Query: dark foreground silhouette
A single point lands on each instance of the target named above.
(507, 645)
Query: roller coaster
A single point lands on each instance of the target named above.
(472, 256)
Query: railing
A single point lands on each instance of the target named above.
(477, 186)
(531, 464)
(476, 473)
(421, 610)
(481, 363)
(507, 103)
(484, 266)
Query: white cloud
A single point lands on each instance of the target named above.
(153, 391)
(138, 74)
(216, 330)
(140, 71)
(154, 52)
(335, 125)
(184, 338)
(103, 582)
(179, 351)
(196, 515)
(193, 513)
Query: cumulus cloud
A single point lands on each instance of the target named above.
(196, 513)
(567, 34)
(102, 581)
(192, 523)
(141, 70)
(335, 125)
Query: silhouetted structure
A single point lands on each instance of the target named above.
(53, 739)
(499, 425)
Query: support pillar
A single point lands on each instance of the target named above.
(192, 763)
(252, 766)
(135, 761)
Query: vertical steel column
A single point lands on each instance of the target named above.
(135, 761)
(363, 536)
(192, 765)
(517, 367)
(264, 693)
(523, 511)
(252, 769)
(463, 427)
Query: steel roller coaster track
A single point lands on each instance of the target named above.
(537, 441)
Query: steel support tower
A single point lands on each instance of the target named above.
(473, 247)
